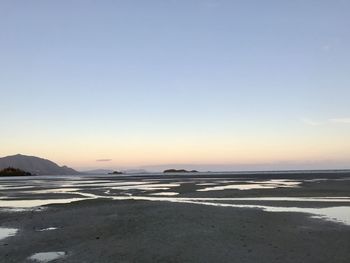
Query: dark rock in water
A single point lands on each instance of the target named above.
(13, 172)
(179, 171)
(35, 165)
(116, 172)
(107, 171)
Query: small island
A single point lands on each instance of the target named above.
(13, 172)
(179, 171)
(116, 172)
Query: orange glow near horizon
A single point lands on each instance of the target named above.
(134, 152)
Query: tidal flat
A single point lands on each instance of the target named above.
(200, 217)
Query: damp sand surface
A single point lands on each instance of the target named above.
(142, 224)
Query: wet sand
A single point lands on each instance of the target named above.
(105, 230)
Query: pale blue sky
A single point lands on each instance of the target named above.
(121, 75)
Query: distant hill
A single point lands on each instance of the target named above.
(35, 165)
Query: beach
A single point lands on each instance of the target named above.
(177, 218)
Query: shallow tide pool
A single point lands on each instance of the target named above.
(7, 232)
(337, 210)
(47, 256)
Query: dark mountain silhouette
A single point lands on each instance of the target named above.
(35, 165)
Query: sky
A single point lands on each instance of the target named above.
(210, 84)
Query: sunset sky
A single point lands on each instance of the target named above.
(213, 84)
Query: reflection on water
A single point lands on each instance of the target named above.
(55, 191)
(47, 256)
(251, 185)
(101, 184)
(147, 187)
(237, 186)
(166, 193)
(291, 199)
(279, 182)
(125, 190)
(7, 232)
(47, 229)
(37, 202)
(340, 214)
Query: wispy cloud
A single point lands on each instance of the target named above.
(340, 120)
(103, 160)
(312, 122)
